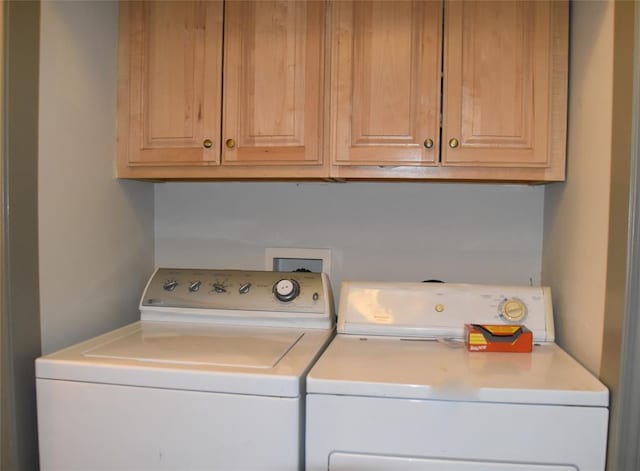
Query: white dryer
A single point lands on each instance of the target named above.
(397, 389)
(212, 377)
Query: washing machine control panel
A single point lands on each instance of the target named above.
(237, 293)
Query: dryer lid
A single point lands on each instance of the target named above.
(432, 370)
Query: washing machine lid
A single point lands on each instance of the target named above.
(221, 358)
(192, 346)
(428, 369)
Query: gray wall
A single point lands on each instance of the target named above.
(96, 232)
(376, 231)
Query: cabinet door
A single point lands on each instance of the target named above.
(385, 84)
(273, 71)
(505, 85)
(169, 86)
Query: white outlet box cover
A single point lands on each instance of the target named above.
(273, 253)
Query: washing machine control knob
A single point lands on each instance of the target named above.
(244, 288)
(170, 285)
(194, 286)
(513, 310)
(219, 288)
(286, 290)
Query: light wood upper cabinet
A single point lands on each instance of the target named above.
(170, 57)
(315, 89)
(172, 119)
(504, 90)
(274, 58)
(385, 83)
(504, 78)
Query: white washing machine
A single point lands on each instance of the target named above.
(397, 389)
(212, 377)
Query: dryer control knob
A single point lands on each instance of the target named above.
(286, 290)
(513, 310)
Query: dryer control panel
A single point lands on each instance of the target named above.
(435, 310)
(265, 297)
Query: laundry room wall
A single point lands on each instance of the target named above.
(586, 217)
(578, 211)
(95, 232)
(375, 231)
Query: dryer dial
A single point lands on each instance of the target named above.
(513, 310)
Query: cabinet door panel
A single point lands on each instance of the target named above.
(171, 99)
(385, 82)
(273, 82)
(497, 93)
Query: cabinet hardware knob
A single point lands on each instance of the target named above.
(207, 143)
(230, 143)
(453, 143)
(428, 143)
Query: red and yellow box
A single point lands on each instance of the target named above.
(497, 338)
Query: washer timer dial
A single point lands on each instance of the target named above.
(513, 310)
(286, 290)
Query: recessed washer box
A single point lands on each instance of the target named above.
(298, 259)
